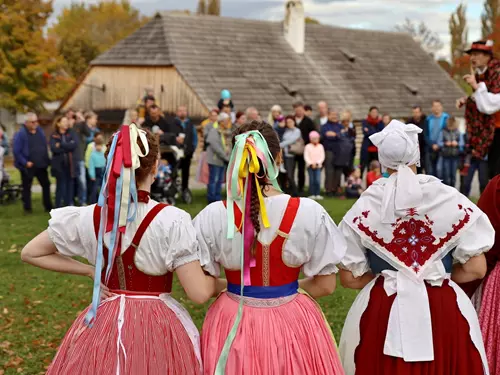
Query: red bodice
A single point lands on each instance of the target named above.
(270, 270)
(125, 276)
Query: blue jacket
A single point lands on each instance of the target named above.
(63, 147)
(368, 131)
(329, 143)
(432, 135)
(21, 148)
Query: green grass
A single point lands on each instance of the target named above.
(37, 307)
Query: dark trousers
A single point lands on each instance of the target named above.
(329, 172)
(215, 178)
(450, 169)
(290, 162)
(494, 155)
(432, 163)
(64, 189)
(185, 167)
(337, 178)
(301, 165)
(42, 176)
(482, 167)
(95, 186)
(314, 181)
(365, 164)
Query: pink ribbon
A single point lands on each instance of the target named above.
(249, 235)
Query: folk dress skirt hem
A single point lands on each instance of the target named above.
(292, 338)
(455, 353)
(157, 337)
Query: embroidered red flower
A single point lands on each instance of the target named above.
(413, 242)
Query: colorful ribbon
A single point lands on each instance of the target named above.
(118, 201)
(250, 151)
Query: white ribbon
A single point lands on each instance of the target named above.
(398, 149)
(136, 154)
(409, 331)
(135, 149)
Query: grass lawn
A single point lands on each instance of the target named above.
(37, 307)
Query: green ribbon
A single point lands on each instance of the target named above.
(234, 192)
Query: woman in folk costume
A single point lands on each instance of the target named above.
(263, 239)
(135, 244)
(487, 296)
(403, 236)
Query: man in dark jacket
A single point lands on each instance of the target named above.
(419, 119)
(81, 132)
(306, 125)
(186, 130)
(168, 131)
(31, 157)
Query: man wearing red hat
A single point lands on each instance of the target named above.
(482, 124)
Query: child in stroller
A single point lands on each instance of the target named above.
(8, 192)
(167, 187)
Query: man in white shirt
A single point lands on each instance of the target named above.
(322, 118)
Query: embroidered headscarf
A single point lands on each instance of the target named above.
(250, 159)
(117, 199)
(398, 149)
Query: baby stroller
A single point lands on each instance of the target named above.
(167, 187)
(8, 192)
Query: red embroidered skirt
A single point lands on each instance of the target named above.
(454, 351)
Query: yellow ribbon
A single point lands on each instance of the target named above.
(250, 164)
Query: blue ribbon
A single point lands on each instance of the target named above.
(96, 294)
(265, 292)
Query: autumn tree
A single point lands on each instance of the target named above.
(422, 34)
(213, 7)
(202, 7)
(312, 20)
(28, 61)
(489, 17)
(85, 31)
(458, 32)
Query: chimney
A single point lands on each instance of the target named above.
(295, 25)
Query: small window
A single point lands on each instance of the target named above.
(348, 55)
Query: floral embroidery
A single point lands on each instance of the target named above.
(413, 242)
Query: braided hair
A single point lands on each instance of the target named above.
(273, 144)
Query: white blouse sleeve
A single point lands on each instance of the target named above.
(355, 259)
(329, 248)
(486, 102)
(477, 239)
(71, 229)
(180, 240)
(208, 229)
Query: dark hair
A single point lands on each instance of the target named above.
(372, 108)
(298, 104)
(154, 106)
(290, 117)
(417, 107)
(437, 101)
(273, 144)
(239, 114)
(148, 162)
(149, 97)
(307, 107)
(97, 134)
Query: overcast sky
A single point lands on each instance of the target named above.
(365, 14)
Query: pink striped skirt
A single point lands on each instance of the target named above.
(283, 336)
(131, 335)
(489, 319)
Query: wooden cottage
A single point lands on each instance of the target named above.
(188, 59)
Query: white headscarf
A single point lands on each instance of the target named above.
(398, 149)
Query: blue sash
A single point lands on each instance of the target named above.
(265, 291)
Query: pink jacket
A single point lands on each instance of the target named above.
(314, 154)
